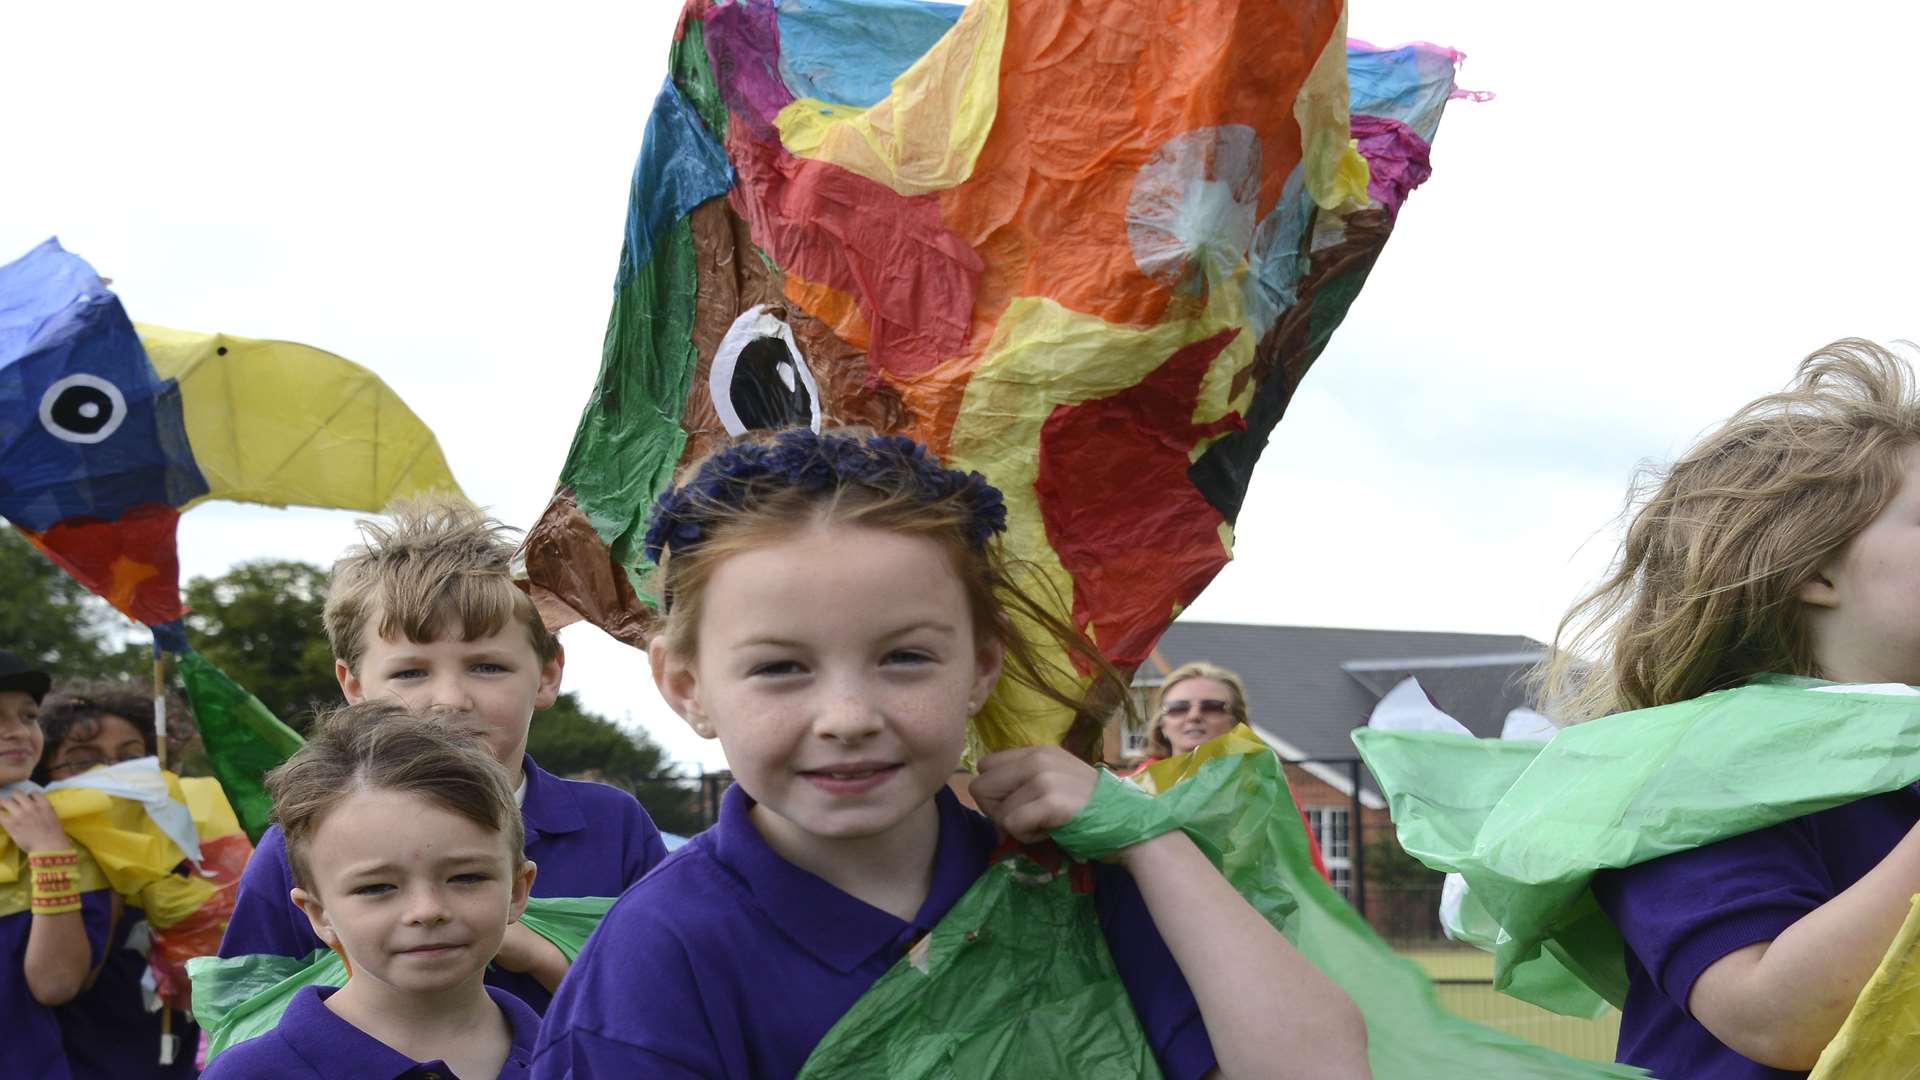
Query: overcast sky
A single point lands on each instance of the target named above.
(1665, 206)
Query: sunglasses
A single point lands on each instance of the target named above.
(1207, 707)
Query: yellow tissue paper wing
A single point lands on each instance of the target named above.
(926, 134)
(1881, 1038)
(1335, 171)
(284, 424)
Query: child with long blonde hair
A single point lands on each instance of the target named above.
(836, 606)
(1786, 542)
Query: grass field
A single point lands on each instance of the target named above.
(1591, 1039)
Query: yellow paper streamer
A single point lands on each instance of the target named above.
(1881, 1038)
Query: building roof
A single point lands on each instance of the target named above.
(1309, 686)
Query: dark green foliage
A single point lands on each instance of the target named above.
(569, 741)
(260, 623)
(50, 619)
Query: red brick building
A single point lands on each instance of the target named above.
(1308, 687)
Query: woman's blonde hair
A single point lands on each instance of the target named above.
(1704, 592)
(378, 745)
(751, 513)
(1195, 669)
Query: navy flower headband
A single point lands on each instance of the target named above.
(810, 461)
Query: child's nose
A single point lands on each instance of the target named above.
(451, 694)
(848, 716)
(426, 907)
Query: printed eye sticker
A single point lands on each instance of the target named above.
(82, 409)
(758, 380)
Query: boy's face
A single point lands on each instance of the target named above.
(417, 896)
(497, 681)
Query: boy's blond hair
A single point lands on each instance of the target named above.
(1705, 591)
(437, 565)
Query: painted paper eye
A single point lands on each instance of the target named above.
(82, 409)
(758, 380)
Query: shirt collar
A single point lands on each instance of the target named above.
(335, 1047)
(549, 807)
(837, 929)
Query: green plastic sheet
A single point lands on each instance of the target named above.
(243, 739)
(1016, 980)
(978, 998)
(1528, 824)
(237, 998)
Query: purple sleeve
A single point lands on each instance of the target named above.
(1161, 998)
(96, 914)
(264, 919)
(630, 1006)
(1682, 912)
(648, 849)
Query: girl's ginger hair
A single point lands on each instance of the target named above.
(378, 745)
(997, 599)
(1195, 669)
(1704, 593)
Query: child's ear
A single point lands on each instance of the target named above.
(987, 661)
(550, 678)
(349, 682)
(679, 685)
(1819, 591)
(522, 888)
(316, 913)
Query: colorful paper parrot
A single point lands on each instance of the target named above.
(107, 433)
(1088, 249)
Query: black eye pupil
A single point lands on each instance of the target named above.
(766, 390)
(82, 410)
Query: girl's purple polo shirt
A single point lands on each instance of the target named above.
(313, 1043)
(588, 839)
(107, 1028)
(729, 961)
(1681, 913)
(29, 1035)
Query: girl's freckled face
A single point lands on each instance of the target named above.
(836, 668)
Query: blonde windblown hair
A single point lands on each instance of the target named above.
(438, 565)
(1704, 592)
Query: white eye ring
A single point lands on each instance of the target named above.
(116, 409)
(752, 325)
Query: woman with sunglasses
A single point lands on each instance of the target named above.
(1200, 701)
(107, 1029)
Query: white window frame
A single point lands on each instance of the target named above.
(1321, 820)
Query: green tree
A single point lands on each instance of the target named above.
(570, 741)
(260, 623)
(49, 618)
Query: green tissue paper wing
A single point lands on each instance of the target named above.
(1528, 825)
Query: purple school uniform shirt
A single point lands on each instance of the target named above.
(729, 961)
(313, 1043)
(29, 1035)
(588, 839)
(1682, 912)
(107, 1029)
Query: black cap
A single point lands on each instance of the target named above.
(17, 674)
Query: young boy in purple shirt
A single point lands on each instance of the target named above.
(835, 609)
(56, 913)
(407, 849)
(426, 613)
(1787, 541)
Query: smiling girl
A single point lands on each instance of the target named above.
(406, 848)
(836, 606)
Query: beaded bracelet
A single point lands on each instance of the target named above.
(54, 891)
